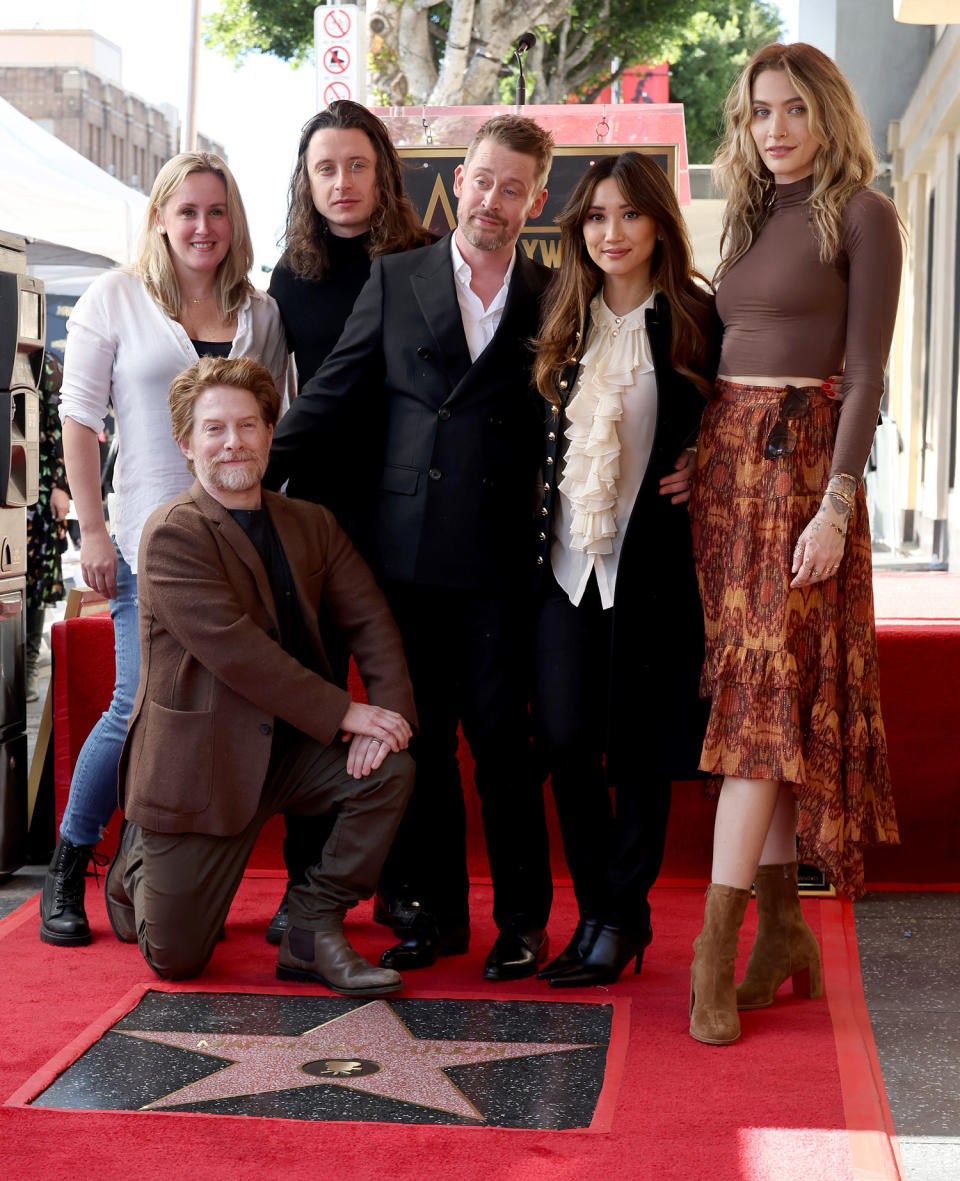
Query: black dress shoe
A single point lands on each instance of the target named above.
(399, 911)
(573, 954)
(421, 945)
(516, 954)
(611, 951)
(280, 921)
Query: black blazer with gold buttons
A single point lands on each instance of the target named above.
(449, 450)
(657, 646)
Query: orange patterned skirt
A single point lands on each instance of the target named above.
(792, 674)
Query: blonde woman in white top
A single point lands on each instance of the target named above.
(131, 333)
(627, 340)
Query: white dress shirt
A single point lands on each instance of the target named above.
(479, 323)
(609, 424)
(123, 349)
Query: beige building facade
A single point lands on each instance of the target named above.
(924, 145)
(68, 81)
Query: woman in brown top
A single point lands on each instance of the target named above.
(808, 285)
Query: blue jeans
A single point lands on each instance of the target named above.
(93, 789)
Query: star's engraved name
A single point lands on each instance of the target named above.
(424, 1049)
(420, 1049)
(240, 1043)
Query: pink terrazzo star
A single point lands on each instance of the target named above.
(368, 1049)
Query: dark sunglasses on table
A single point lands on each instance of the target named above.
(782, 440)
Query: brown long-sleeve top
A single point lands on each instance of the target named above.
(785, 312)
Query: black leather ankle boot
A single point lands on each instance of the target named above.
(611, 951)
(62, 917)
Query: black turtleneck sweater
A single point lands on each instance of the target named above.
(314, 311)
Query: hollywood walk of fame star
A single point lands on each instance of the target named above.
(367, 1049)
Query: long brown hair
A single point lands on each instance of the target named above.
(844, 163)
(394, 225)
(153, 264)
(644, 185)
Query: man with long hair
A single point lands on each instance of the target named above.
(436, 354)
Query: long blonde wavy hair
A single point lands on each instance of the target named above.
(153, 264)
(844, 164)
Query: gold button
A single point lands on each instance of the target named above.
(546, 487)
(544, 512)
(549, 461)
(552, 437)
(616, 332)
(563, 384)
(543, 537)
(539, 561)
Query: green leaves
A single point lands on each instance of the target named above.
(283, 28)
(719, 40)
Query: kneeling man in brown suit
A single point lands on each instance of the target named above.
(237, 715)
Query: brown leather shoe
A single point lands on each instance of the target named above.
(327, 958)
(119, 907)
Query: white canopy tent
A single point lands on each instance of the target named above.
(77, 219)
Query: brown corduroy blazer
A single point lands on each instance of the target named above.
(213, 676)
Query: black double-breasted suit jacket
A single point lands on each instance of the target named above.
(446, 451)
(445, 455)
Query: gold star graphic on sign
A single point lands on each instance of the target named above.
(368, 1049)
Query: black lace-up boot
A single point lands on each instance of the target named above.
(62, 917)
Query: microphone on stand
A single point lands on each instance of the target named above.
(524, 42)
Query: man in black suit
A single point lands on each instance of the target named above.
(437, 353)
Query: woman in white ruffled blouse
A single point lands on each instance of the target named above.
(624, 360)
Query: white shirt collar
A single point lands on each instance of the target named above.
(463, 272)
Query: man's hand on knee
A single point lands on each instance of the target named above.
(365, 755)
(373, 721)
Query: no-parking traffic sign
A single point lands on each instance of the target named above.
(341, 52)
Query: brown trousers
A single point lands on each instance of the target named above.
(181, 884)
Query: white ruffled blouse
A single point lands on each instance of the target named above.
(609, 425)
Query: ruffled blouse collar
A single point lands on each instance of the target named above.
(617, 352)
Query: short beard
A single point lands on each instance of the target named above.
(225, 478)
(481, 239)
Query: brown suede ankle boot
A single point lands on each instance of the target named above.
(713, 998)
(784, 946)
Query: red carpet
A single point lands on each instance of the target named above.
(798, 1097)
(918, 626)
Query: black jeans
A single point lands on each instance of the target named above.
(470, 657)
(613, 853)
